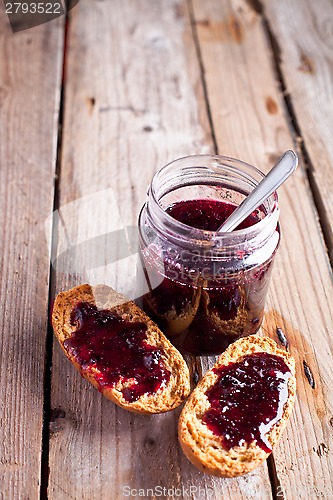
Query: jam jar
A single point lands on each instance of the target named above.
(203, 288)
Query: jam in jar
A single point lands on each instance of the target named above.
(203, 288)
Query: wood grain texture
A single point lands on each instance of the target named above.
(250, 122)
(304, 32)
(30, 79)
(134, 100)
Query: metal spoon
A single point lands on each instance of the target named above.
(275, 177)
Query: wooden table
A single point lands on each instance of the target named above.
(100, 101)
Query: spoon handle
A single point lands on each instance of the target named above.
(275, 177)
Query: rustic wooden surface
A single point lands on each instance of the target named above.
(303, 31)
(146, 82)
(30, 70)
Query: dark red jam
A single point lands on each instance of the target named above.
(203, 313)
(118, 350)
(247, 400)
(207, 214)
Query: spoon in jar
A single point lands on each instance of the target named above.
(275, 177)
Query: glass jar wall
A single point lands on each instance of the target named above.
(205, 289)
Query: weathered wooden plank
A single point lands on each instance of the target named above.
(30, 71)
(304, 31)
(249, 121)
(134, 100)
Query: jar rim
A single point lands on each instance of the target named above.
(212, 164)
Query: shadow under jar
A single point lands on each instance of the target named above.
(205, 289)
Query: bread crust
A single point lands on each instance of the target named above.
(201, 446)
(166, 398)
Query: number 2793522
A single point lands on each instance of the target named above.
(33, 8)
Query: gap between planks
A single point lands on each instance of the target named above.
(295, 127)
(301, 150)
(202, 73)
(256, 5)
(47, 413)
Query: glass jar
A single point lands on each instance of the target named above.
(203, 288)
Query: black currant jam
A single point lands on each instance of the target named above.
(205, 289)
(247, 400)
(208, 215)
(117, 351)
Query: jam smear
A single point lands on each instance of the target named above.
(207, 214)
(118, 349)
(248, 399)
